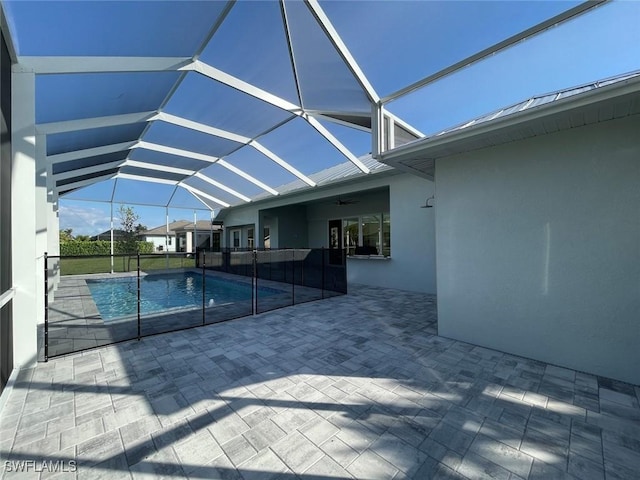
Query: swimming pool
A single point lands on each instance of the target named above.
(118, 297)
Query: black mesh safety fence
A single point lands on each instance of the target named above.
(274, 279)
(92, 301)
(78, 302)
(229, 284)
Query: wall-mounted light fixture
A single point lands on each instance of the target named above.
(428, 202)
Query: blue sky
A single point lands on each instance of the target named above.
(91, 218)
(395, 44)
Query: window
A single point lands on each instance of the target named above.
(216, 242)
(266, 235)
(250, 238)
(386, 234)
(351, 235)
(235, 238)
(371, 234)
(367, 235)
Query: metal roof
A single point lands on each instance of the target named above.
(600, 101)
(540, 100)
(336, 174)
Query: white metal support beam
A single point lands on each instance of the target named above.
(292, 57)
(341, 48)
(97, 122)
(200, 200)
(331, 117)
(241, 85)
(377, 130)
(200, 127)
(87, 170)
(290, 168)
(83, 183)
(90, 152)
(64, 65)
(492, 50)
(248, 177)
(220, 20)
(389, 133)
(409, 128)
(4, 25)
(176, 151)
(219, 185)
(336, 143)
(207, 158)
(141, 178)
(156, 167)
(204, 195)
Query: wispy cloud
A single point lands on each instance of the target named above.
(84, 220)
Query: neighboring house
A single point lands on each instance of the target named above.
(206, 232)
(163, 238)
(177, 238)
(117, 235)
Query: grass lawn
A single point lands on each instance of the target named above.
(86, 265)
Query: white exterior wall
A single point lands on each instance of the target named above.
(413, 239)
(159, 241)
(538, 248)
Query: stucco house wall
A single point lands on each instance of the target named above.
(538, 248)
(159, 241)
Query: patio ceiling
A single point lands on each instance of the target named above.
(217, 101)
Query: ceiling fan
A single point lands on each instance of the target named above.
(345, 201)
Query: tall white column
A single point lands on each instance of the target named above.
(23, 219)
(41, 209)
(53, 237)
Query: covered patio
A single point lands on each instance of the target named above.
(358, 386)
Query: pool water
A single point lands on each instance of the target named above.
(117, 297)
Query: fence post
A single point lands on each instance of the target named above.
(204, 299)
(254, 284)
(322, 276)
(293, 276)
(139, 329)
(46, 308)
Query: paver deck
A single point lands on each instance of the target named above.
(357, 386)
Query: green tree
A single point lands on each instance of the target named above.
(128, 225)
(82, 238)
(66, 235)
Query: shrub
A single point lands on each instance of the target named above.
(76, 248)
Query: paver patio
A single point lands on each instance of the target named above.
(353, 386)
